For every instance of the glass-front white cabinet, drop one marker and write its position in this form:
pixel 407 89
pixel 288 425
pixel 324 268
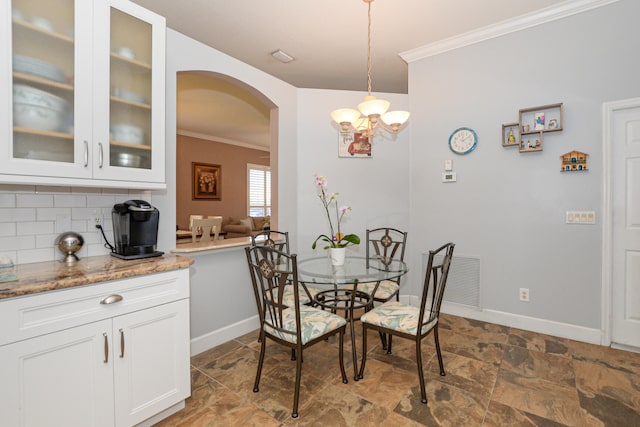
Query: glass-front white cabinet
pixel 86 93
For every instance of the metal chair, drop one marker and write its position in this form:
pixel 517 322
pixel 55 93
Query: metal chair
pixel 297 326
pixel 279 240
pixel 274 239
pixel 414 323
pixel 386 244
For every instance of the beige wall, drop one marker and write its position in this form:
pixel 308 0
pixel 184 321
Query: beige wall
pixel 233 161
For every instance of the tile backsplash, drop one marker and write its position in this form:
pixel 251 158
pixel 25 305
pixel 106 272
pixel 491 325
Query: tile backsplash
pixel 31 217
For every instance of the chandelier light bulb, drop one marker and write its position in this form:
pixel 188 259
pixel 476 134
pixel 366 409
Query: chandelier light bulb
pixel 395 119
pixel 345 117
pixel 372 107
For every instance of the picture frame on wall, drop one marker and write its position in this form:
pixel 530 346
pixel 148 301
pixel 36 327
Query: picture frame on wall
pixel 207 181
pixel 510 134
pixel 538 121
pixel 354 144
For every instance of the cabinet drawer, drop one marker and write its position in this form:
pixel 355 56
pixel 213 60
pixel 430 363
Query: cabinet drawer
pixel 33 315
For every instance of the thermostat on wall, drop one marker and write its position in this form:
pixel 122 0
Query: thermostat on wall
pixel 448 177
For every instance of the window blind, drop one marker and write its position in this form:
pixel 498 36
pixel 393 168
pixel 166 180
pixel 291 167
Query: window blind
pixel 259 191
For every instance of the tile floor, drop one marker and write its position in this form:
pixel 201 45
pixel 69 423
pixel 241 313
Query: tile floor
pixel 496 376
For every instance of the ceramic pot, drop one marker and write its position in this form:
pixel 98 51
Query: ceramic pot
pixel 337 255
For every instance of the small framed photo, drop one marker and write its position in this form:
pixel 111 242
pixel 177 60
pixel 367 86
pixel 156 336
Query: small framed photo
pixel 538 120
pixel 353 144
pixel 207 181
pixel 553 124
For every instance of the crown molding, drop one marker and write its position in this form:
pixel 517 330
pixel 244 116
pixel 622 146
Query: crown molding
pixel 221 140
pixel 522 22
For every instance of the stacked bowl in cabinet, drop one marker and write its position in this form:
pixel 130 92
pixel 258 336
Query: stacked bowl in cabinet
pixel 38 68
pixel 36 109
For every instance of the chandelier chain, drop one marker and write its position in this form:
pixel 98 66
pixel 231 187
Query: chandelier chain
pixel 369 47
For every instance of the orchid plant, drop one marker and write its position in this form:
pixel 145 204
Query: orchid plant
pixel 330 202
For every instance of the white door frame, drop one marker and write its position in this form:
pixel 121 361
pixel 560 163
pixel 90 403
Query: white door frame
pixel 608 110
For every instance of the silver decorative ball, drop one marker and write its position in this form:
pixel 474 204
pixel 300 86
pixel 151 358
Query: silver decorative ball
pixel 69 243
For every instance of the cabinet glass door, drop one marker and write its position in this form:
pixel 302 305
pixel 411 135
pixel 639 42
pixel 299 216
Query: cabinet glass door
pixel 43 57
pixel 130 118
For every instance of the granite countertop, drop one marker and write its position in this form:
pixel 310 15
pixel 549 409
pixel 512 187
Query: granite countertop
pixel 235 242
pixel 54 275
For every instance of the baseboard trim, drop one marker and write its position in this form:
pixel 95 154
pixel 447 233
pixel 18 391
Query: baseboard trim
pixel 222 335
pixel 533 324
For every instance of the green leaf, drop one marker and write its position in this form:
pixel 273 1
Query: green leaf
pixel 352 238
pixel 325 238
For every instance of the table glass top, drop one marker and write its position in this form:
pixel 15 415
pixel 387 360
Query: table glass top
pixel 320 270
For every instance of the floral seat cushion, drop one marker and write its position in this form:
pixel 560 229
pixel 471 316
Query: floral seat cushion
pixel 288 297
pixel 398 317
pixel 314 323
pixel 386 290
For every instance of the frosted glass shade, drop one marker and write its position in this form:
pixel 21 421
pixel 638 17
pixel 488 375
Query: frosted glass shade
pixel 345 115
pixel 395 117
pixel 372 106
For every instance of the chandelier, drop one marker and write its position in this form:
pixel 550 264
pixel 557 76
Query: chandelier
pixel 372 112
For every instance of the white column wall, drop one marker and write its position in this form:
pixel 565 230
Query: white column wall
pixel 221 294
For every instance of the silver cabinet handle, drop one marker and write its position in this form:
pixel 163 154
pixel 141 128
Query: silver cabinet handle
pixel 111 299
pixel 106 348
pixel 121 343
pixel 100 155
pixel 86 153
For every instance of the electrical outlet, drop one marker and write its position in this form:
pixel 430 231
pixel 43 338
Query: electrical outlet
pixel 524 294
pixel 96 218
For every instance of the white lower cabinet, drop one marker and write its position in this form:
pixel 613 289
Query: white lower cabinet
pixel 58 379
pixel 117 371
pixel 151 366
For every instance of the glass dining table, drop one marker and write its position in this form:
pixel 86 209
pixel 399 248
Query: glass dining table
pixel 338 284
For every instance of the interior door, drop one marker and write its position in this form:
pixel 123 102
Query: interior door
pixel 625 195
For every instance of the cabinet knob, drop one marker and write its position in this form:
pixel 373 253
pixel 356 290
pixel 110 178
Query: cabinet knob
pixel 111 299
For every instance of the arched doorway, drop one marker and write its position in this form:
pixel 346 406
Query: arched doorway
pixel 223 122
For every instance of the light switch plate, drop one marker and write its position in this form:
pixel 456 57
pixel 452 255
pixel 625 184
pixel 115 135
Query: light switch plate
pixel 448 165
pixel 580 217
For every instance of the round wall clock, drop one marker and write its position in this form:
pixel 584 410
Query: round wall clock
pixel 463 140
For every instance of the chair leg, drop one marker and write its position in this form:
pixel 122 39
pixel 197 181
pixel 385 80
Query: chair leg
pixel 260 361
pixel 364 350
pixel 353 346
pixel 383 340
pixel 341 357
pixel 296 393
pixel 293 354
pixel 389 345
pixel 423 392
pixel 435 337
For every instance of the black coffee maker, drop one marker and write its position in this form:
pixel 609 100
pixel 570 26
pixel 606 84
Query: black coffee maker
pixel 135 230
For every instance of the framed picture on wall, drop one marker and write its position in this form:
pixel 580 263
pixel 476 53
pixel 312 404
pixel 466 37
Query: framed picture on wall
pixel 207 181
pixel 353 144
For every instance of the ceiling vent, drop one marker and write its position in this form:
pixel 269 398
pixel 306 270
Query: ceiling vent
pixel 282 56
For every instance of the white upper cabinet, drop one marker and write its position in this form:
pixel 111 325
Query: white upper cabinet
pixel 86 100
